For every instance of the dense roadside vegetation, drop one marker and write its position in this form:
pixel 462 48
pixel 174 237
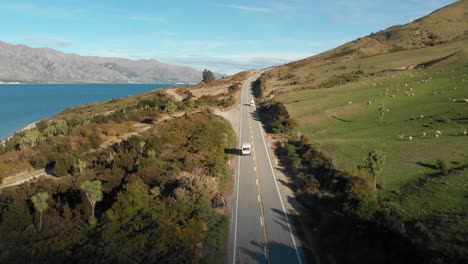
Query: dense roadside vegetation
pixel 374 136
pixel 138 180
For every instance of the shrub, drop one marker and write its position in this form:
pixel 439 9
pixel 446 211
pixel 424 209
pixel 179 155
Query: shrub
pixel 442 166
pixel 235 87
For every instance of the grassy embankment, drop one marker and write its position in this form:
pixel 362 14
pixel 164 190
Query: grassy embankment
pixel 342 123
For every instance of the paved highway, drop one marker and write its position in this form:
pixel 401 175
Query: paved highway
pixel 261 230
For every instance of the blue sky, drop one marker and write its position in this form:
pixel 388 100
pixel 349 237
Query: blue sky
pixel 225 36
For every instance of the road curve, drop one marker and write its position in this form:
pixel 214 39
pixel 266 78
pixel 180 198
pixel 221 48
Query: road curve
pixel 261 230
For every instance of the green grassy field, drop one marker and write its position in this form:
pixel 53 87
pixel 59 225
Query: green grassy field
pixel 344 121
pixel 418 73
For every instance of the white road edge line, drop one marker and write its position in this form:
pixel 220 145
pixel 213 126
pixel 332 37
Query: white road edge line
pixel 261 221
pixel 238 178
pixel 279 194
pixel 258 198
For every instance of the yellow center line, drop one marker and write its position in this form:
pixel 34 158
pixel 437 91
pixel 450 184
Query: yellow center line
pixel 267 253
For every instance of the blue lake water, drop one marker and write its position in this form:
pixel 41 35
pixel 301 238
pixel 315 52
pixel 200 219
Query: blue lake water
pixel 23 104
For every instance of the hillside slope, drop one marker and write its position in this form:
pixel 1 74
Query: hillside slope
pixel 428 39
pixel 407 102
pixel 19 63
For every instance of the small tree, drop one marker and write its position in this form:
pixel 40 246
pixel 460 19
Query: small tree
pixel 93 191
pixel 382 111
pixel 40 204
pixel 208 76
pixel 442 166
pixel 156 191
pixel 374 164
pixel 171 108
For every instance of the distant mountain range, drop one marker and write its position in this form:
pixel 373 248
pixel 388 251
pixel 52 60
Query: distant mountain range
pixel 19 63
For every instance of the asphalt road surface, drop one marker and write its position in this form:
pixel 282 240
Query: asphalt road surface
pixel 262 231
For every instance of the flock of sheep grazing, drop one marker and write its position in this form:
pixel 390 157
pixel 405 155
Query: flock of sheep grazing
pixel 392 93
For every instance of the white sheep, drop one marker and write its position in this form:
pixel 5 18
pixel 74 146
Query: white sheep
pixel 393 96
pixel 464 133
pixel 437 135
pixel 369 103
pixel 402 136
pixel 410 138
pixel 438 132
pixel 423 134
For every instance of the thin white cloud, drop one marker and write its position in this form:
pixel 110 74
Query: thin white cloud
pixel 48 41
pixel 251 8
pixel 64 43
pixel 43 11
pixel 149 18
pixel 33 40
pixel 116 53
pixel 235 63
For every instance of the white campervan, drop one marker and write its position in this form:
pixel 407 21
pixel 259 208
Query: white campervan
pixel 246 149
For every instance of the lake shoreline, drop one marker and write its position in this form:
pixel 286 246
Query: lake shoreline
pixel 21 105
pixel 28 127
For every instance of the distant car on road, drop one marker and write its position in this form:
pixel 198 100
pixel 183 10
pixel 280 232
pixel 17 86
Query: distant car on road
pixel 246 149
pixel 252 103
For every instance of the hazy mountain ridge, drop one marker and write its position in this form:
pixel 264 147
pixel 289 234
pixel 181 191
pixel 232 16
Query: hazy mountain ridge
pixel 19 63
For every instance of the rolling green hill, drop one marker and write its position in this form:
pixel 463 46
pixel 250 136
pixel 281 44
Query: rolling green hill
pixel 418 73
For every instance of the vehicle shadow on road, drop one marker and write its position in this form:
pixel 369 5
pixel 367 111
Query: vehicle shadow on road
pixel 232 151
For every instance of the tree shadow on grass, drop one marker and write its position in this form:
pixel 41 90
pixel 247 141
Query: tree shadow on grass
pixel 427 165
pixel 342 120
